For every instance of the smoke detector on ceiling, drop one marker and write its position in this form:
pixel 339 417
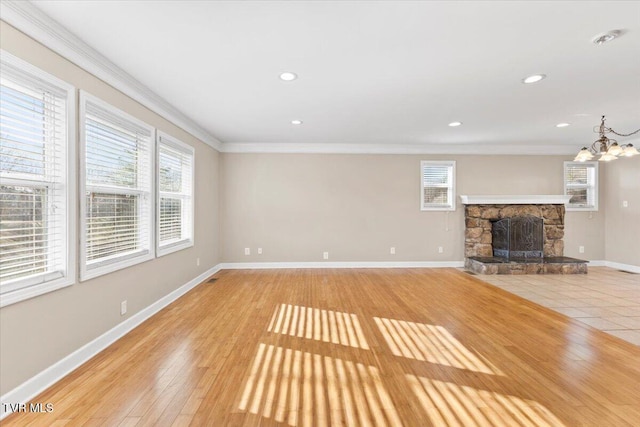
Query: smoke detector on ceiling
pixel 607 37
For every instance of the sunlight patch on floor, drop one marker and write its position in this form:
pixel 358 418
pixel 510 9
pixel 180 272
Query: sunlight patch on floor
pixel 320 325
pixel 306 389
pixel 449 404
pixel 430 343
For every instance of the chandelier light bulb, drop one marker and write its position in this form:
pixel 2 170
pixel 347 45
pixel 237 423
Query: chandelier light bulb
pixel 584 155
pixel 614 149
pixel 606 157
pixel 630 151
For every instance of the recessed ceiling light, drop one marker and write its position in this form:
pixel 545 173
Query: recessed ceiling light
pixel 455 124
pixel 606 37
pixel 535 78
pixel 296 122
pixel 563 125
pixel 288 76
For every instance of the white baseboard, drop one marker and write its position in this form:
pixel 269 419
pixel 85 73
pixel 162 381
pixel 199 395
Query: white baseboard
pixel 618 266
pixel 355 264
pixel 624 267
pixel 37 384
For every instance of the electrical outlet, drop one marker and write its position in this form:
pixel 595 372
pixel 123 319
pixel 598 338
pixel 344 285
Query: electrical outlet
pixel 625 204
pixel 259 251
pixel 325 255
pixel 581 249
pixel 247 251
pixel 392 250
pixel 440 250
pixel 197 262
pixel 123 308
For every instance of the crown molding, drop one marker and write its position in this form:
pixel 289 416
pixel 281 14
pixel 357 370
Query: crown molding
pixel 41 27
pixel 332 148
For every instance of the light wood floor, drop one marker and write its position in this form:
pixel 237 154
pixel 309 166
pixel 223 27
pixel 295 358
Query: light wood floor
pixel 414 347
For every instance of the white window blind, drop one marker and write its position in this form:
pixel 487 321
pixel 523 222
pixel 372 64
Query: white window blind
pixel 36 114
pixel 175 194
pixel 437 185
pixel 581 183
pixel 117 189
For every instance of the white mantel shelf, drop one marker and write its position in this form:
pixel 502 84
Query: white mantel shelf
pixel 516 200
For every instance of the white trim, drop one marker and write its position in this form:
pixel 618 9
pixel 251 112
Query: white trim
pixel 596 190
pixel 170 141
pixel 346 264
pixel 54 373
pixel 451 186
pixel 597 263
pixel 70 193
pixel 427 148
pixel 88 271
pixel 516 200
pixel 32 21
pixel 625 267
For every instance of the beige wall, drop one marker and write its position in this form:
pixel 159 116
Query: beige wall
pixel 296 206
pixel 622 225
pixel 38 332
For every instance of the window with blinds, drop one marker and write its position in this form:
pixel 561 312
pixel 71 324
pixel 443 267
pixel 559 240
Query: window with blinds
pixel 117 197
pixel 581 183
pixel 36 181
pixel 437 189
pixel 175 195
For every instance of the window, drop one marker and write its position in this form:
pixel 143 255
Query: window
pixel 117 195
pixel 581 183
pixel 175 195
pixel 437 188
pixel 37 120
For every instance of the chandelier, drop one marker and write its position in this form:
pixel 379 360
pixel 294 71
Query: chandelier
pixel 607 148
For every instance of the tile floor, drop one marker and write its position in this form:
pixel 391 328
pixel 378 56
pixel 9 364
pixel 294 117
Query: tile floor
pixel 605 298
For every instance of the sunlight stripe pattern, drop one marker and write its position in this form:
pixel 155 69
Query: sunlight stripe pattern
pixel 321 325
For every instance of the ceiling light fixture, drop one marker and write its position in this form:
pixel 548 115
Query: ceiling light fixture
pixel 535 78
pixel 296 122
pixel 288 76
pixel 455 124
pixel 608 148
pixel 601 39
pixel 563 125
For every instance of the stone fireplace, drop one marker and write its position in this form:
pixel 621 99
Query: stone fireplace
pixel 516 235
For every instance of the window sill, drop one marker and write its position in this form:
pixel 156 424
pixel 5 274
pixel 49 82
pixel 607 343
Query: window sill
pixel 174 247
pixel 18 295
pixel 438 209
pixel 91 272
pixel 581 208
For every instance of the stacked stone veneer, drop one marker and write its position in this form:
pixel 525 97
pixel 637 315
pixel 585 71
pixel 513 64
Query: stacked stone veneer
pixel 477 235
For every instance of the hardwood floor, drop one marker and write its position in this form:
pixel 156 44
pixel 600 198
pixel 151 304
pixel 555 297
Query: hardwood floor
pixel 414 347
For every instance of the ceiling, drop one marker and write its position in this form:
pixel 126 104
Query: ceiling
pixel 385 73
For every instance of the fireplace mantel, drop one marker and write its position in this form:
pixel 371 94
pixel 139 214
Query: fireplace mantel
pixel 516 200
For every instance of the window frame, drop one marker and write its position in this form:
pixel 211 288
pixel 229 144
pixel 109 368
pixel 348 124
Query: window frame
pixel 594 187
pixel 115 263
pixel 20 289
pixel 175 144
pixel 451 205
